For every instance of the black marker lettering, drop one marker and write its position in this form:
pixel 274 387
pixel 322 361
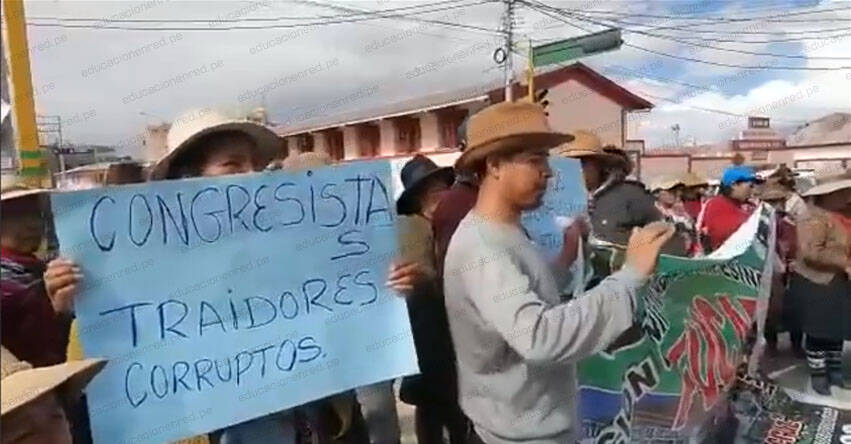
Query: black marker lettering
pixel 262 352
pixel 250 307
pixel 185 366
pixel 282 352
pixel 240 370
pixel 201 375
pixel 202 324
pixel 358 180
pixel 184 224
pixel 256 215
pixel 144 396
pixel 307 343
pixel 219 373
pixel 315 297
pixel 345 239
pixel 291 296
pixel 324 194
pixel 170 328
pixel 238 214
pixel 111 242
pixel 341 287
pixel 213 214
pixel 367 283
pixel 133 327
pixel 150 220
pixel 292 199
pixel 386 208
pixel 312 204
pixel 164 380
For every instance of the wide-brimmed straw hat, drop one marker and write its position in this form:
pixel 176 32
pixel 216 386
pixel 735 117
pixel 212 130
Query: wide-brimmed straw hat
pixel 16 190
pixel 664 183
pixel 827 184
pixel 22 384
pixel 691 179
pixel 302 161
pixel 192 125
pixel 585 144
pixel 774 190
pixel 508 126
pixel 416 173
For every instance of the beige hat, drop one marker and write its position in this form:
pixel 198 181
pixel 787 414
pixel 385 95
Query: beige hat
pixel 17 190
pixel 773 190
pixel 584 144
pixel 302 161
pixel 664 183
pixel 22 384
pixel 829 183
pixel 691 179
pixel 192 125
pixel 508 126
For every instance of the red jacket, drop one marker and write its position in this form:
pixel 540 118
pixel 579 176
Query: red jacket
pixel 31 330
pixel 693 208
pixel 453 206
pixel 722 217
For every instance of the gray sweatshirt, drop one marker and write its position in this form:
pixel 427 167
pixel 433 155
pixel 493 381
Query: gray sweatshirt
pixel 516 342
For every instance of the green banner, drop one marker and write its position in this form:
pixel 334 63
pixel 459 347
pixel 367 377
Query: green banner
pixel 665 378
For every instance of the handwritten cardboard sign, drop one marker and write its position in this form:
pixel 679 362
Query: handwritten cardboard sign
pixel 565 200
pixel 221 300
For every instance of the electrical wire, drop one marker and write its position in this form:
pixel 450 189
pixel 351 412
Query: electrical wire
pixel 780 18
pixel 545 9
pixel 738 51
pixel 365 17
pixel 713 110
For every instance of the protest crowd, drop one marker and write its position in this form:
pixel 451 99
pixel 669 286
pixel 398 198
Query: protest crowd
pixel 498 338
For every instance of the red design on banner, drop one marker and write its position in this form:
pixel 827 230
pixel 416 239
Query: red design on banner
pixel 706 360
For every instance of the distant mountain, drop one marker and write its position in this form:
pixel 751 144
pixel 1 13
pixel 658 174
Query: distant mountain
pixel 834 127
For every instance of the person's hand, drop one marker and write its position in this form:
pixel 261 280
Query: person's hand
pixel 61 280
pixel 642 252
pixel 570 248
pixel 848 271
pixel 403 276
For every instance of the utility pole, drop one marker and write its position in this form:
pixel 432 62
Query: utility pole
pixel 508 28
pixel 53 125
pixel 23 103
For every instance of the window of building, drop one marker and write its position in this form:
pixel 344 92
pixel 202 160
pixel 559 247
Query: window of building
pixel 408 135
pixel 449 121
pixel 334 142
pixel 305 143
pixel 369 140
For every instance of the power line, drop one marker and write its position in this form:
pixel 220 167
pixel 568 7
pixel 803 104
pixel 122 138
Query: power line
pixel 713 110
pixel 739 51
pixel 781 18
pixel 544 9
pixel 365 17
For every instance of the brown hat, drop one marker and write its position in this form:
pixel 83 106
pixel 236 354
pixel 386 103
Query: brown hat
pixel 508 126
pixel 691 179
pixel 774 190
pixel 829 183
pixel 22 384
pixel 663 183
pixel 585 144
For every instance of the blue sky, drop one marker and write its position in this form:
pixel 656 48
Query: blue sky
pixel 101 81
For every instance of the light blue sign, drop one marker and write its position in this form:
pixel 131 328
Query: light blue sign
pixel 220 300
pixel 565 200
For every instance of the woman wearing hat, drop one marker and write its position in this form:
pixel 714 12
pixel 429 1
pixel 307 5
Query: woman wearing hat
pixel 30 327
pixel 694 191
pixel 667 192
pixel 33 398
pixel 617 205
pixel 725 213
pixel 434 390
pixel 821 278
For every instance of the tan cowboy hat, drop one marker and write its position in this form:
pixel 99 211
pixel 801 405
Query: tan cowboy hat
pixel 508 126
pixel 192 125
pixel 18 190
pixel 829 183
pixel 22 384
pixel 664 183
pixel 774 190
pixel 691 179
pixel 303 161
pixel 584 144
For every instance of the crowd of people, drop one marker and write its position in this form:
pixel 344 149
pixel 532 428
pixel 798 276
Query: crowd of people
pixel 496 341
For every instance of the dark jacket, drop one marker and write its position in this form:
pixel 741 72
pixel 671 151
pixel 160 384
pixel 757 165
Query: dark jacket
pixel 453 207
pixel 625 205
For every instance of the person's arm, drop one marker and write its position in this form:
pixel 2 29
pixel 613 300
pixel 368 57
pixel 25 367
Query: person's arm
pixel 813 233
pixel 537 330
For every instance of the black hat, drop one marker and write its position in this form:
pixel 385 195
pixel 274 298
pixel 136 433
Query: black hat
pixel 416 173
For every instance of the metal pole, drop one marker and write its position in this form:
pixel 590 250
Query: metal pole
pixel 509 44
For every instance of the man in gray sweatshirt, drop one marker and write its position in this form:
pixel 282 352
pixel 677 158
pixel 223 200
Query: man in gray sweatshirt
pixel 516 342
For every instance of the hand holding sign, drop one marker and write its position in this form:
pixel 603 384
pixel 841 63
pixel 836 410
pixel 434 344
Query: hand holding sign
pixel 61 280
pixel 642 252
